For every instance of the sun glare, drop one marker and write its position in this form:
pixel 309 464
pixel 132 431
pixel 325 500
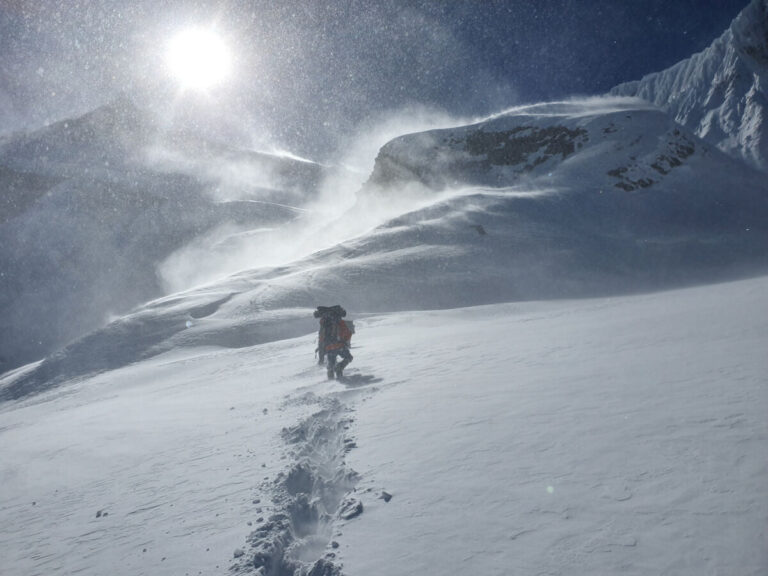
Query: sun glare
pixel 198 58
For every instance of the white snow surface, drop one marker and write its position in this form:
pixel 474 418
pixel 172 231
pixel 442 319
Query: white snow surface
pixel 721 93
pixel 599 433
pixel 598 436
pixel 560 200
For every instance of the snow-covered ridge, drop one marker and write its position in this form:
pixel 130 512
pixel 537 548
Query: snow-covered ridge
pixel 580 145
pixel 90 207
pixel 721 94
pixel 119 136
pixel 518 207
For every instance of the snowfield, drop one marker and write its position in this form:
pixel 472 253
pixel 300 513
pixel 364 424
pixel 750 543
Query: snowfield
pixel 599 436
pixel 560 359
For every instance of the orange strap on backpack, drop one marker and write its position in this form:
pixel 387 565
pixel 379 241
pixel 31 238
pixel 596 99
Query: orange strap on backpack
pixel 345 334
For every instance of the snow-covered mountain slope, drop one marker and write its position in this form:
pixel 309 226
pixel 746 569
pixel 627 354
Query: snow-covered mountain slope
pixel 581 146
pixel 91 206
pixel 613 435
pixel 721 94
pixel 607 201
pixel 603 193
pixel 121 135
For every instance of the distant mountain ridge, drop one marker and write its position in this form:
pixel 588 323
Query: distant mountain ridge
pixel 557 200
pixel 720 94
pixel 121 135
pixel 602 144
pixel 562 200
pixel 90 206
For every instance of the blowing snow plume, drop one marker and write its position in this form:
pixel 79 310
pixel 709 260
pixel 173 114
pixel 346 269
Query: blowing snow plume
pixel 319 214
pixel 96 203
pixel 555 200
pixel 565 202
pixel 565 199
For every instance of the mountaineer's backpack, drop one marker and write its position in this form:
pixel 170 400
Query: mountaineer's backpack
pixel 334 332
pixel 326 311
pixel 345 330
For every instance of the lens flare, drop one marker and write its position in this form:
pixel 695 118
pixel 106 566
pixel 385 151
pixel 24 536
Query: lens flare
pixel 198 58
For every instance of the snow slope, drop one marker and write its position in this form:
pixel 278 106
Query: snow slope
pixel 90 207
pixel 615 436
pixel 573 423
pixel 721 94
pixel 590 198
pixel 600 436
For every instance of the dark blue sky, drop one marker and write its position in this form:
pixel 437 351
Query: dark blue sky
pixel 309 72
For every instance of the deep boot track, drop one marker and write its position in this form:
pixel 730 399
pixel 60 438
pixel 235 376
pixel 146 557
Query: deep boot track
pixel 296 540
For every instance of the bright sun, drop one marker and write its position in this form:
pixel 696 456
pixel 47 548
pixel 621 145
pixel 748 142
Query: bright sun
pixel 198 58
